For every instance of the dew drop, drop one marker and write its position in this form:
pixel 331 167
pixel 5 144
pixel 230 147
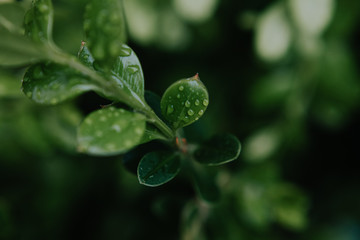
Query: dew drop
pixel 170 109
pixel 197 102
pixel 187 103
pixel 125 52
pixel 190 112
pixel 196 118
pixel 186 119
pixel 178 96
pixel 116 127
pixel 181 88
pixel 133 69
pixel 205 102
pixel 138 131
pixel 103 118
pixel 99 133
pixel 201 112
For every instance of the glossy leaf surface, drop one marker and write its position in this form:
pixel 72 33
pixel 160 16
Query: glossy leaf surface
pixel 127 69
pixel 49 83
pixel 85 56
pixel 110 131
pixel 218 150
pixel 157 168
pixel 105 29
pixel 184 102
pixel 38 21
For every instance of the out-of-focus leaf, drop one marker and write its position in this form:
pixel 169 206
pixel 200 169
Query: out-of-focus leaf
pixel 105 29
pixel 206 185
pixel 127 68
pixel 11 17
pixel 110 131
pixel 157 168
pixel 38 21
pixel 218 150
pixel 50 83
pixel 9 84
pixel 16 49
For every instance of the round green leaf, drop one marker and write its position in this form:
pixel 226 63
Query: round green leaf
pixel 218 150
pixel 51 83
pixel 110 131
pixel 157 168
pixel 184 102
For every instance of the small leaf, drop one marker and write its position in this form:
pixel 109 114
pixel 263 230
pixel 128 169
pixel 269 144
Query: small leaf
pixel 218 150
pixel 104 27
pixel 38 21
pixel 50 83
pixel 127 68
pixel 157 168
pixel 85 56
pixel 110 131
pixel 184 102
pixel 16 49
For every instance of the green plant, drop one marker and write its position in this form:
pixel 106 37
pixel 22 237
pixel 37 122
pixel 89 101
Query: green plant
pixel 107 66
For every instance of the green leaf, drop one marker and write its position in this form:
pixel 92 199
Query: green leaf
pixel 11 17
pixel 110 131
pixel 38 21
pixel 104 27
pixel 184 102
pixel 127 69
pixel 16 49
pixel 205 184
pixel 218 150
pixel 85 56
pixel 157 168
pixel 9 84
pixel 50 83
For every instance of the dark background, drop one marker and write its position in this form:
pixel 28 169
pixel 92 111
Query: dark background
pixel 297 115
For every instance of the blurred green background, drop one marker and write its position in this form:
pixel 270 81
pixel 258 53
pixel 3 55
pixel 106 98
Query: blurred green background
pixel 282 76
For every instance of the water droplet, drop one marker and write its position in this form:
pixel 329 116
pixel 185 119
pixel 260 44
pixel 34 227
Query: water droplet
pixel 88 121
pixel 125 52
pixel 196 118
pixel 187 103
pixel 190 112
pixel 178 96
pixel 43 8
pixel 103 118
pixel 116 127
pixel 186 119
pixel 197 102
pixel 99 133
pixel 170 109
pixel 138 131
pixel 53 101
pixel 128 143
pixel 181 88
pixel 205 102
pixel 110 146
pixel 133 69
pixel 201 112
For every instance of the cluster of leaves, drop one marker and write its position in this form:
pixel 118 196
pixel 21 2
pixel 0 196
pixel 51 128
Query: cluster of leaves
pixel 107 66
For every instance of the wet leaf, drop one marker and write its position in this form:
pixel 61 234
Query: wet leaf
pixel 218 150
pixel 104 27
pixel 110 131
pixel 50 83
pixel 128 71
pixel 85 56
pixel 157 168
pixel 184 102
pixel 38 21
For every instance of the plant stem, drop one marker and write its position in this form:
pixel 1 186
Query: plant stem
pixel 109 88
